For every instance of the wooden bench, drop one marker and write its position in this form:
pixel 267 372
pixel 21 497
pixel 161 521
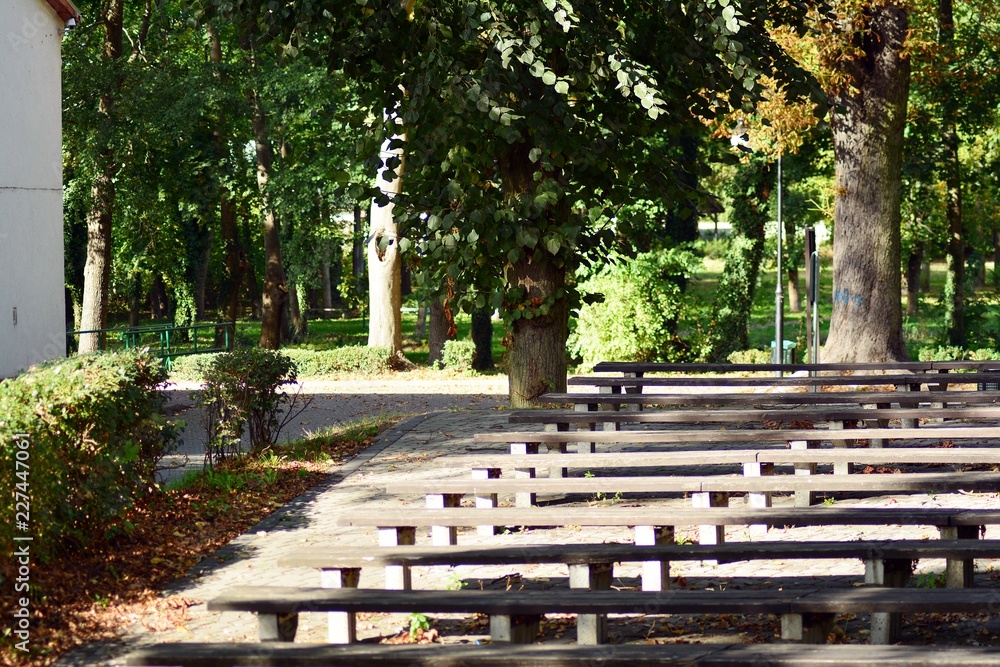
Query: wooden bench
pixel 640 368
pixel 594 401
pixel 656 525
pixel 541 655
pixel 591 566
pixel 905 382
pixel 557 419
pixel 807 615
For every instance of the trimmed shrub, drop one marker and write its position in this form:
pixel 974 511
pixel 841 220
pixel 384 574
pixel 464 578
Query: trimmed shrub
pixel 458 355
pixel 955 353
pixel 350 359
pixel 95 436
pixel 241 392
pixel 637 319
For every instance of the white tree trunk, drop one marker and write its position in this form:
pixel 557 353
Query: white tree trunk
pixel 385 325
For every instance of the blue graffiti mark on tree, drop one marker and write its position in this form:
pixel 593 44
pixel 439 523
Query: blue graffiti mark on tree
pixel 844 296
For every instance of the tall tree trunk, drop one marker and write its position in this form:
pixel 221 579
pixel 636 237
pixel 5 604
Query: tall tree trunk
pixel 324 279
pixel 536 348
pixel 204 261
pixel 97 270
pixel 953 182
pixel 358 251
pixel 440 329
pixel 867 121
pixel 794 293
pixel 729 326
pixel 299 323
pixel 274 296
pixel 158 298
pixel 482 336
pixel 420 328
pixel 996 256
pixel 252 281
pixel 235 254
pixel 913 265
pixel 385 323
pixel 135 300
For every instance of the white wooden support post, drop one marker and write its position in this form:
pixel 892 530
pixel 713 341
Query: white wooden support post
pixel 804 498
pixel 397 577
pixel 707 533
pixel 342 625
pixel 591 629
pixel 845 467
pixel 522 448
pixel 887 626
pixel 758 500
pixel 506 629
pixel 586 447
pixel 959 573
pixel 655 573
pixel 806 628
pixel 633 390
pixel 906 388
pixel 444 536
pixel 616 407
pixel 486 500
pixel 277 627
pixel 556 447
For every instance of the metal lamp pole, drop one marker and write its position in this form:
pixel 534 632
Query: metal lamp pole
pixel 779 293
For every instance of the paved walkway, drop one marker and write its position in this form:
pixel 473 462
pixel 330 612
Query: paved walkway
pixel 404 453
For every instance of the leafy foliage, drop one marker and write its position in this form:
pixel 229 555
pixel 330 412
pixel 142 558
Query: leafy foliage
pixel 641 300
pixel 95 433
pixel 348 359
pixel 458 354
pixel 241 393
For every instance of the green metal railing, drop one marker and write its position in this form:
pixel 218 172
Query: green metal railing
pixel 164 340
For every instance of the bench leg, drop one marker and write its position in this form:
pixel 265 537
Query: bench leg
pixel 277 627
pixel 486 501
pixel 804 498
pixel 556 448
pixel 514 629
pixel 342 625
pixel 397 577
pixel 655 573
pixel 806 628
pixel 959 573
pixel 847 467
pixel 758 500
pixel 905 388
pixel 591 629
pixel 444 536
pixel 895 572
pixel 523 448
pixel 709 534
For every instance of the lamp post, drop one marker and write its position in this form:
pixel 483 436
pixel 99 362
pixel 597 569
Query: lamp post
pixel 779 293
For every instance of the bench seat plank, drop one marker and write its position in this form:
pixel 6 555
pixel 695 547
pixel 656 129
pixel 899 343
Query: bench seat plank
pixel 740 435
pixel 749 415
pixel 631 655
pixel 938 455
pixel 655 516
pixel 948 481
pixel 673 367
pixel 569 554
pixel 901 380
pixel 868 599
pixel 783 398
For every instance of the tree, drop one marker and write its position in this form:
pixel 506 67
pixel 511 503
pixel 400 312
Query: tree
pixel 868 114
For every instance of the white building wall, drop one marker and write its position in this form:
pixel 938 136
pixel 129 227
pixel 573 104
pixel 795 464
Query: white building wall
pixel 31 231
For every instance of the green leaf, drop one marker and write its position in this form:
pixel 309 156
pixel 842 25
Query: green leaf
pixel 549 77
pixel 562 87
pixel 553 244
pixel 535 154
pixel 473 236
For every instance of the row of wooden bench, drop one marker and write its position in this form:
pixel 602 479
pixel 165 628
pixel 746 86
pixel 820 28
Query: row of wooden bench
pixel 806 614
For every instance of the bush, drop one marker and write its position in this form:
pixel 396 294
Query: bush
pixel 955 353
pixel 240 393
pixel 351 359
pixel 95 436
pixel 642 302
pixel 458 355
pixel 750 357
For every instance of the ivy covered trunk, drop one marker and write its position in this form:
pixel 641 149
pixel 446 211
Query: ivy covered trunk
pixel 751 189
pixel 867 122
pixel 385 323
pixel 536 351
pixel 482 336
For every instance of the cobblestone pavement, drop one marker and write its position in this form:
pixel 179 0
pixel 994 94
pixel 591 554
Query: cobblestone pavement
pixel 405 453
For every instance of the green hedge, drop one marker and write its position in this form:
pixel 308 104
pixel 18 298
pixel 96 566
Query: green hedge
pixel 95 435
pixel 350 359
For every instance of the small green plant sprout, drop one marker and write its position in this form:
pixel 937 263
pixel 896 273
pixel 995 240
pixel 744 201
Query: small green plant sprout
pixel 828 502
pixel 455 582
pixel 931 580
pixel 419 623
